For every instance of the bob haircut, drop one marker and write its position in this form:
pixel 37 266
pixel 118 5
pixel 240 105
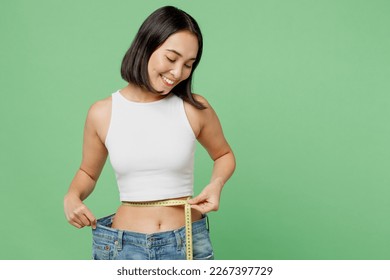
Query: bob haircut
pixel 161 24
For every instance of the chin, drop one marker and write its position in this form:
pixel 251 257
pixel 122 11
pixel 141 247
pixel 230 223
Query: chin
pixel 165 91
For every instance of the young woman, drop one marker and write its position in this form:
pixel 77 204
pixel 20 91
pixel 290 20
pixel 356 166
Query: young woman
pixel 149 130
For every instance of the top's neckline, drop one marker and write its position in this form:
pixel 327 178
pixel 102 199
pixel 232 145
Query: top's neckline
pixel 144 103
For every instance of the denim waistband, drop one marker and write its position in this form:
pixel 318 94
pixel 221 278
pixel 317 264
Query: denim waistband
pixel 104 230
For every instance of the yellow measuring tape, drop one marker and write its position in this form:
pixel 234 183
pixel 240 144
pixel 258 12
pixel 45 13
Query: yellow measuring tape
pixel 187 217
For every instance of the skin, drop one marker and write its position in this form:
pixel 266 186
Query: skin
pixel 172 60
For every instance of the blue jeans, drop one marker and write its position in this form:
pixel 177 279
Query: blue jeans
pixel 115 244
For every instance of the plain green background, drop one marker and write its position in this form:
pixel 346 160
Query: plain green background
pixel 302 90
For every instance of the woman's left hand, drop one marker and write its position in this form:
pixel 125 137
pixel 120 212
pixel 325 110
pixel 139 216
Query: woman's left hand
pixel 208 199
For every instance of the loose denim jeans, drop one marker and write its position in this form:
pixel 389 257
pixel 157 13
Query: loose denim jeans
pixel 114 244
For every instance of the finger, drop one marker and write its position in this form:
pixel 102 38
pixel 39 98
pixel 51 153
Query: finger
pixel 76 224
pixel 78 219
pixel 93 224
pixel 198 208
pixel 196 200
pixel 202 207
pixel 91 218
pixel 84 220
pixel 83 216
pixel 206 206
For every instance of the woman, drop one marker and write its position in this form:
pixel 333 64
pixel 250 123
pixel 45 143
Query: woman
pixel 149 130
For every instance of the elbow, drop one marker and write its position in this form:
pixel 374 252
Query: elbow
pixel 228 157
pixel 90 175
pixel 233 160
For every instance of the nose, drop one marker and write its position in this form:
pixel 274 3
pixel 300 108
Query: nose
pixel 177 72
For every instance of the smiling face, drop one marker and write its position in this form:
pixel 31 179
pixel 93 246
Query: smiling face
pixel 172 62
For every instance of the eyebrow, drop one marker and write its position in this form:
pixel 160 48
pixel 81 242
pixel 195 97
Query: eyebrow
pixel 179 54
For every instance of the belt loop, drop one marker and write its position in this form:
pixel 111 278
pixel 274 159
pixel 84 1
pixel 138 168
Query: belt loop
pixel 179 240
pixel 119 242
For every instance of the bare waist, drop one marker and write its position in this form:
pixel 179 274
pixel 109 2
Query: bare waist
pixel 152 219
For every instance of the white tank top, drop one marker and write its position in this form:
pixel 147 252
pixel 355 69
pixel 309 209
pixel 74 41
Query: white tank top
pixel 151 148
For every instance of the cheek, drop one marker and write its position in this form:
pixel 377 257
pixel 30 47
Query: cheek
pixel 186 74
pixel 155 64
pixel 160 67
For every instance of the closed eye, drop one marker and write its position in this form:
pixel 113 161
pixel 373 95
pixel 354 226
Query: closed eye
pixel 170 60
pixel 174 60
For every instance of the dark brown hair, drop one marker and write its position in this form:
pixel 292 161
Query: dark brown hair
pixel 161 24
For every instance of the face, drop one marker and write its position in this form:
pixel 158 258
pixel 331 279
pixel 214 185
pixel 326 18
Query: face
pixel 172 62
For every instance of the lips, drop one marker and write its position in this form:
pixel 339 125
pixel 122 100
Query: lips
pixel 167 81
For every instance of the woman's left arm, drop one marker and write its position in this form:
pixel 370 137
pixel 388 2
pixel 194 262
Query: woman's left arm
pixel 213 140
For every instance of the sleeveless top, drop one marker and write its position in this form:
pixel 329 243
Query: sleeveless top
pixel 151 148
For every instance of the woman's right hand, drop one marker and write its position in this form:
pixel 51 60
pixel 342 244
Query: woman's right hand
pixel 77 213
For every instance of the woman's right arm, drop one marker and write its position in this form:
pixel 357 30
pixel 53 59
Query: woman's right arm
pixel 93 159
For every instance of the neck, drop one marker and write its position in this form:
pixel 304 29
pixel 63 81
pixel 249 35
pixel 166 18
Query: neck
pixel 139 94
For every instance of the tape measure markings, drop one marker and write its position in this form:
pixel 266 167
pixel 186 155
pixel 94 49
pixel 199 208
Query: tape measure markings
pixel 187 217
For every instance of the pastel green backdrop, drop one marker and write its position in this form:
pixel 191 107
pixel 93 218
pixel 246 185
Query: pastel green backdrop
pixel 301 88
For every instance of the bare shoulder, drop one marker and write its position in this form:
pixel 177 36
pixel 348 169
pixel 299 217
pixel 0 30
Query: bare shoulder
pixel 199 118
pixel 201 99
pixel 197 111
pixel 205 113
pixel 101 106
pixel 100 111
